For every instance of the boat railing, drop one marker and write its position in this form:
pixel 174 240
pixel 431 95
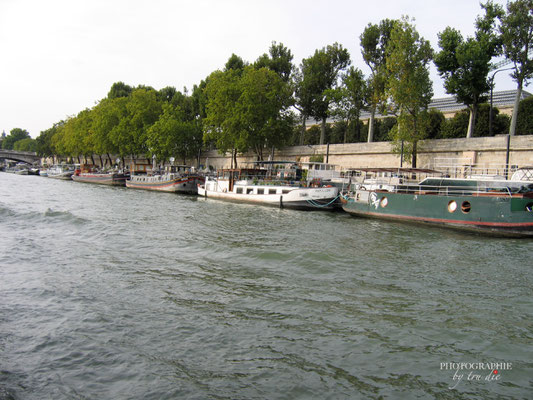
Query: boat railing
pixel 455 190
pixel 465 168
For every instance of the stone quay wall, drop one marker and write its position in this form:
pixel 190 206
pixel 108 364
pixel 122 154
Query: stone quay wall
pixel 483 153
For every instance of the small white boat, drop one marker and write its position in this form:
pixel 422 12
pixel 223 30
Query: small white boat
pixel 62 171
pixel 256 186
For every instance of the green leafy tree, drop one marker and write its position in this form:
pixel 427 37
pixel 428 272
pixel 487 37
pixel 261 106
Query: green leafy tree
pixel 44 140
pixel 303 96
pixel 14 136
pixel 142 111
pixel 517 36
pixel 464 64
pixel 27 144
pixel 173 136
pixel 235 63
pixel 524 124
pixel 409 84
pixel 436 121
pixel 455 127
pixel 278 59
pixel 247 112
pixel 374 41
pixel 119 89
pixel 320 74
pixel 349 99
pixel 106 118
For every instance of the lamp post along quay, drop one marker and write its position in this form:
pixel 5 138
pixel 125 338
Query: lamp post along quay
pixel 491 90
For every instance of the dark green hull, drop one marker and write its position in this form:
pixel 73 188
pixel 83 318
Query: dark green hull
pixel 500 214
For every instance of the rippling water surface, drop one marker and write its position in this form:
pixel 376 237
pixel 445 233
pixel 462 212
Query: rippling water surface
pixel 110 293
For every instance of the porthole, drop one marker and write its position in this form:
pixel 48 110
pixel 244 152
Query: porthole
pixel 466 207
pixel 452 206
pixel 529 207
pixel 384 201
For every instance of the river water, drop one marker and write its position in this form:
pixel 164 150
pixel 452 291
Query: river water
pixel 111 293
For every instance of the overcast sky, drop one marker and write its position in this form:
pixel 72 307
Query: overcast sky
pixel 58 57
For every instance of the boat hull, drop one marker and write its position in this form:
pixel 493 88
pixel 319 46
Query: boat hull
pixel 295 198
pixel 112 179
pixel 67 176
pixel 186 185
pixel 498 214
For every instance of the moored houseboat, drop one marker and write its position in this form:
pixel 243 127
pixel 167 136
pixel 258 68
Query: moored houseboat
pixel 90 174
pixel 174 179
pixel 282 189
pixel 489 206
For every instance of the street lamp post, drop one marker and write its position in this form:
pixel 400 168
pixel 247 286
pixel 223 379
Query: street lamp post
pixel 491 89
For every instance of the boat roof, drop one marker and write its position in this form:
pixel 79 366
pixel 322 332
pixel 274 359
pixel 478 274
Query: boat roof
pixel 396 169
pixel 274 162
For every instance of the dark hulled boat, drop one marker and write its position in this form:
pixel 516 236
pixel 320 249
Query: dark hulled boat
pixel 88 174
pixel 496 207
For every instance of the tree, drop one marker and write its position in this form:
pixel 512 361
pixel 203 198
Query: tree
pixel 374 41
pixel 436 121
pixel 44 140
pixel 172 135
pixel 27 144
pixel 143 110
pixel 14 136
pixel 119 89
pixel 517 36
pixel 248 111
pixel 456 126
pixel 278 60
pixel 464 64
pixel 106 118
pixel 235 63
pixel 524 124
pixel 409 84
pixel 349 99
pixel 303 96
pixel 320 75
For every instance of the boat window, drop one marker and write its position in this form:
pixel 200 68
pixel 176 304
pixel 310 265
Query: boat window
pixel 272 191
pixel 466 207
pixel 384 201
pixel 261 191
pixel 452 206
pixel 239 190
pixel 285 191
pixel 249 190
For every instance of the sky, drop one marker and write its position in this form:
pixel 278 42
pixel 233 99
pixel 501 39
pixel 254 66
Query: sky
pixel 58 57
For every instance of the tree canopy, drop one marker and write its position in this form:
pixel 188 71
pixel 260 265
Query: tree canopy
pixel 464 64
pixel 409 84
pixel 14 136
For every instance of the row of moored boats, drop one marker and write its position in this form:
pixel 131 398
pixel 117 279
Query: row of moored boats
pixel 490 204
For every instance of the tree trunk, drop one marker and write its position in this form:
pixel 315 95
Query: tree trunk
pixel 472 121
pixel 303 130
pixel 413 159
pixel 512 129
pixel 110 161
pixel 371 125
pixel 322 130
pixel 346 132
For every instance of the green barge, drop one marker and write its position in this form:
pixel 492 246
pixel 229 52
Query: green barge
pixel 502 208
